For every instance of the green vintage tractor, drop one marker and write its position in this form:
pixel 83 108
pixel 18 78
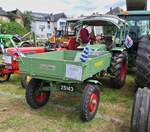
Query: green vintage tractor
pixel 67 71
pixel 138 19
pixel 6 41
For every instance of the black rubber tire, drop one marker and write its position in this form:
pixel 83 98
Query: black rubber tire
pixel 26 44
pixel 88 90
pixel 143 63
pixel 31 92
pixel 117 63
pixel 141 111
pixel 148 127
pixel 24 82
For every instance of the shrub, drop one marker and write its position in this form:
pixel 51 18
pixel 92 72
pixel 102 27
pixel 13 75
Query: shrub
pixel 12 28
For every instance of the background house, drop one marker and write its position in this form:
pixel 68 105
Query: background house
pixel 60 21
pixel 14 15
pixel 17 16
pixel 44 25
pixel 41 24
pixel 4 16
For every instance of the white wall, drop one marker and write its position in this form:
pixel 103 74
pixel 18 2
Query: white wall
pixel 4 18
pixel 98 30
pixel 37 25
pixel 59 26
pixel 41 29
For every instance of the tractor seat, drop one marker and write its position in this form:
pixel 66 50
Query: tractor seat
pixel 84 35
pixel 108 41
pixel 70 44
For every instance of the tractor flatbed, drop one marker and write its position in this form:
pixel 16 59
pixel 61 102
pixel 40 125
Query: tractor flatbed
pixel 64 66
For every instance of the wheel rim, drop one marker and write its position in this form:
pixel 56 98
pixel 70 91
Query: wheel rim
pixel 93 102
pixel 123 71
pixel 26 45
pixel 3 77
pixel 40 97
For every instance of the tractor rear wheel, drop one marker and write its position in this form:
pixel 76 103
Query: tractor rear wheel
pixel 143 63
pixel 34 96
pixel 90 102
pixel 25 79
pixel 26 44
pixel 140 119
pixel 118 69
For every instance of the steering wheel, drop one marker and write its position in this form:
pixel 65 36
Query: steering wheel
pixel 17 38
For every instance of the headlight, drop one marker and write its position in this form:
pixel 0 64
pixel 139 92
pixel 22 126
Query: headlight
pixel 7 59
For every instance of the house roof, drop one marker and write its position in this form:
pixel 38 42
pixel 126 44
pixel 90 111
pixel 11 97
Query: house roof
pixel 17 13
pixel 2 12
pixel 47 17
pixel 36 16
pixel 39 14
pixel 58 16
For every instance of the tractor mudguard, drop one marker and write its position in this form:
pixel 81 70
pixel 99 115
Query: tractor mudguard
pixel 118 49
pixel 95 82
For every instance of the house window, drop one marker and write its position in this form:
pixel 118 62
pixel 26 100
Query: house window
pixel 49 34
pixel 42 27
pixel 62 25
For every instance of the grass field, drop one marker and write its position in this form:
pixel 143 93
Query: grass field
pixel 61 114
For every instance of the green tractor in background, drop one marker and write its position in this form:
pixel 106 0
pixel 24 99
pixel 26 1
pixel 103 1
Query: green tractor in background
pixel 6 41
pixel 138 19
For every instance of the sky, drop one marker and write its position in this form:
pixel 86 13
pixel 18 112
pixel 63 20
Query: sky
pixel 70 7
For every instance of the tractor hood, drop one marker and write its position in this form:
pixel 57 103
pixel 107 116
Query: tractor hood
pixel 33 50
pixel 102 20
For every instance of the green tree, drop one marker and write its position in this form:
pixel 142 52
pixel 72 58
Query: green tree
pixel 27 19
pixel 12 28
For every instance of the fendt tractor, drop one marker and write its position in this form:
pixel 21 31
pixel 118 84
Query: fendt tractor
pixel 78 71
pixel 138 18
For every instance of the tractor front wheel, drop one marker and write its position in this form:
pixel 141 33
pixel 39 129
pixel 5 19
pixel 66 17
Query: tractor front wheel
pixel 118 69
pixel 90 102
pixel 35 97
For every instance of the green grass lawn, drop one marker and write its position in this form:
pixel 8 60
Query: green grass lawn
pixel 62 112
